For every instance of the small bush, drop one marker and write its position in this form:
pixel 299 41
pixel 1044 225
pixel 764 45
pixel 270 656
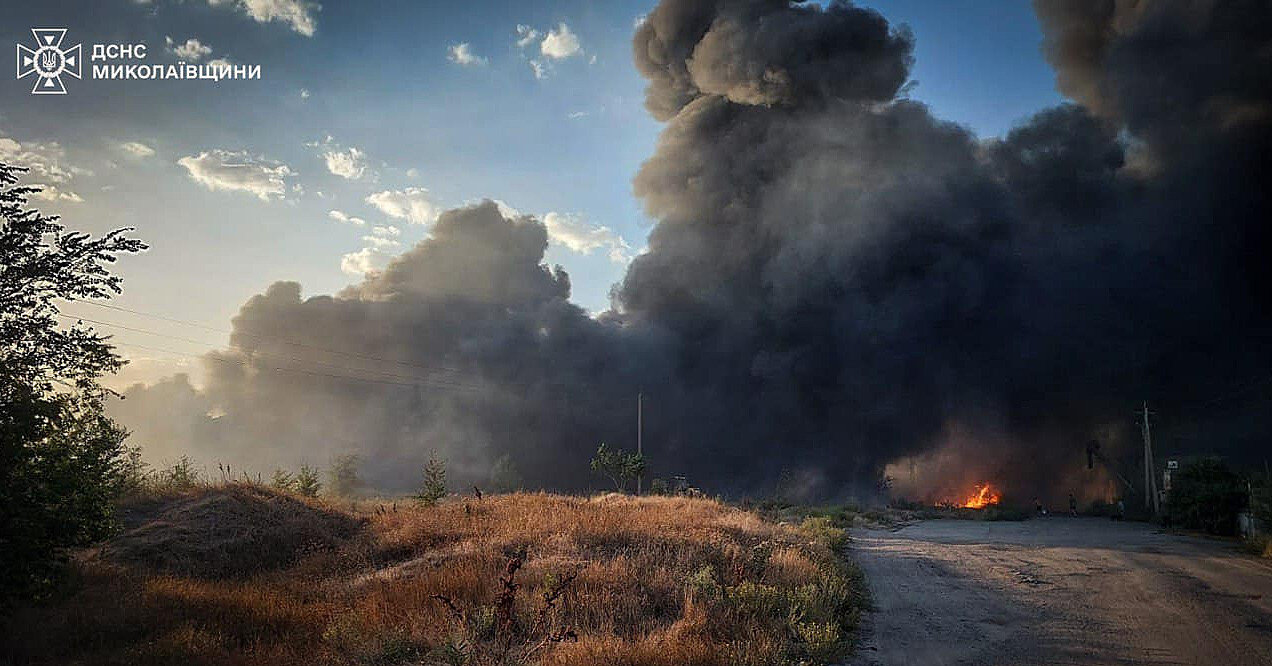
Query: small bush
pixel 703 585
pixel 1206 495
pixel 619 465
pixel 307 482
pixel 824 529
pixel 434 486
pixel 283 480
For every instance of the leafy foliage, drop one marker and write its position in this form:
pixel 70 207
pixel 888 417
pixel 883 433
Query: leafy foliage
pixel 434 486
pixel 61 460
pixel 619 465
pixel 283 480
pixel 1206 495
pixel 307 482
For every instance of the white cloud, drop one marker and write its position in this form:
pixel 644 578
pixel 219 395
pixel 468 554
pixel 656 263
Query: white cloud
pixel 45 161
pixel 52 193
pixel 462 54
pixel 560 43
pixel 299 14
pixel 380 245
pixel 575 115
pixel 238 171
pixel 540 69
pixel 220 62
pixel 412 173
pixel 383 238
pixel 526 36
pixel 137 149
pixel 571 231
pixel 349 163
pixel 505 209
pixel 192 50
pixel 412 204
pixel 304 93
pixel 364 261
pixel 341 216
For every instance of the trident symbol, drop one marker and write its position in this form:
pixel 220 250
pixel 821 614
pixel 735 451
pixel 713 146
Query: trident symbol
pixel 49 61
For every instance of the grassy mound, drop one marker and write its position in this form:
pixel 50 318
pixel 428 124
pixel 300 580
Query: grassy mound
pixel 511 579
pixel 226 531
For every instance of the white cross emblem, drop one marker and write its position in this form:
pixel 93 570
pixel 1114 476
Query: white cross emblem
pixel 49 61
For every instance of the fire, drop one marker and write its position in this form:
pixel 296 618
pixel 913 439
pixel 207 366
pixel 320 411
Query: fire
pixel 984 496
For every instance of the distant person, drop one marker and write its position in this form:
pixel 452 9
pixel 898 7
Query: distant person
pixel 1039 508
pixel 1120 512
pixel 1073 506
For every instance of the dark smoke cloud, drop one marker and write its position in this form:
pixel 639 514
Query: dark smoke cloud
pixel 837 280
pixel 762 52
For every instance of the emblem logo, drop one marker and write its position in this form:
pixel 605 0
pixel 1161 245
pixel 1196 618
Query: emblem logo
pixel 49 61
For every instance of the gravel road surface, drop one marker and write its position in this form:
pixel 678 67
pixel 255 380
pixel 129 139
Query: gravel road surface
pixel 1061 590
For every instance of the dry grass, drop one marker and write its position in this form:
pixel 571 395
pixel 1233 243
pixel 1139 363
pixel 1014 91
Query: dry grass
pixel 606 580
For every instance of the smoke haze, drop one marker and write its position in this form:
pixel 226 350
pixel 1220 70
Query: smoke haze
pixel 837 280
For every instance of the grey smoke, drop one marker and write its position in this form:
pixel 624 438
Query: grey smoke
pixel 837 279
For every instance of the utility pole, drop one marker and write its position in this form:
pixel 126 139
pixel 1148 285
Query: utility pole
pixel 640 433
pixel 1151 499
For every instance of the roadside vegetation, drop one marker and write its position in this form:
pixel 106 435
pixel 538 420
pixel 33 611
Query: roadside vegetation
pixel 240 572
pixel 60 456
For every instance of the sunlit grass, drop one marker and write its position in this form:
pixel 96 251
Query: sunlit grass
pixel 649 580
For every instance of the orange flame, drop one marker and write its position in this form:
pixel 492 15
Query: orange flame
pixel 983 497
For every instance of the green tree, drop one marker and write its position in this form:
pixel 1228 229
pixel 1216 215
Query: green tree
pixel 434 486
pixel 619 465
pixel 307 482
pixel 283 480
pixel 62 461
pixel 1206 495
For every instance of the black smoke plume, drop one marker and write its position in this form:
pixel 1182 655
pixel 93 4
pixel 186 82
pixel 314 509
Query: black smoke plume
pixel 837 279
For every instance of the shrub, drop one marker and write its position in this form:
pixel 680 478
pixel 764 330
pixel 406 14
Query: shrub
pixel 283 480
pixel 180 476
pixel 307 482
pixel 58 479
pixel 1206 495
pixel 823 528
pixel 434 486
pixel 619 465
pixel 703 585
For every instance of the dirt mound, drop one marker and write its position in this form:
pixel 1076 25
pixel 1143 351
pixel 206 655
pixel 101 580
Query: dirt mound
pixel 227 531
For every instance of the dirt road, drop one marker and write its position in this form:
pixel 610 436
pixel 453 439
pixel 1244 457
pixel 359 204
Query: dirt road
pixel 1061 591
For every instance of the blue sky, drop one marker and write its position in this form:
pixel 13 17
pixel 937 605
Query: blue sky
pixel 370 112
